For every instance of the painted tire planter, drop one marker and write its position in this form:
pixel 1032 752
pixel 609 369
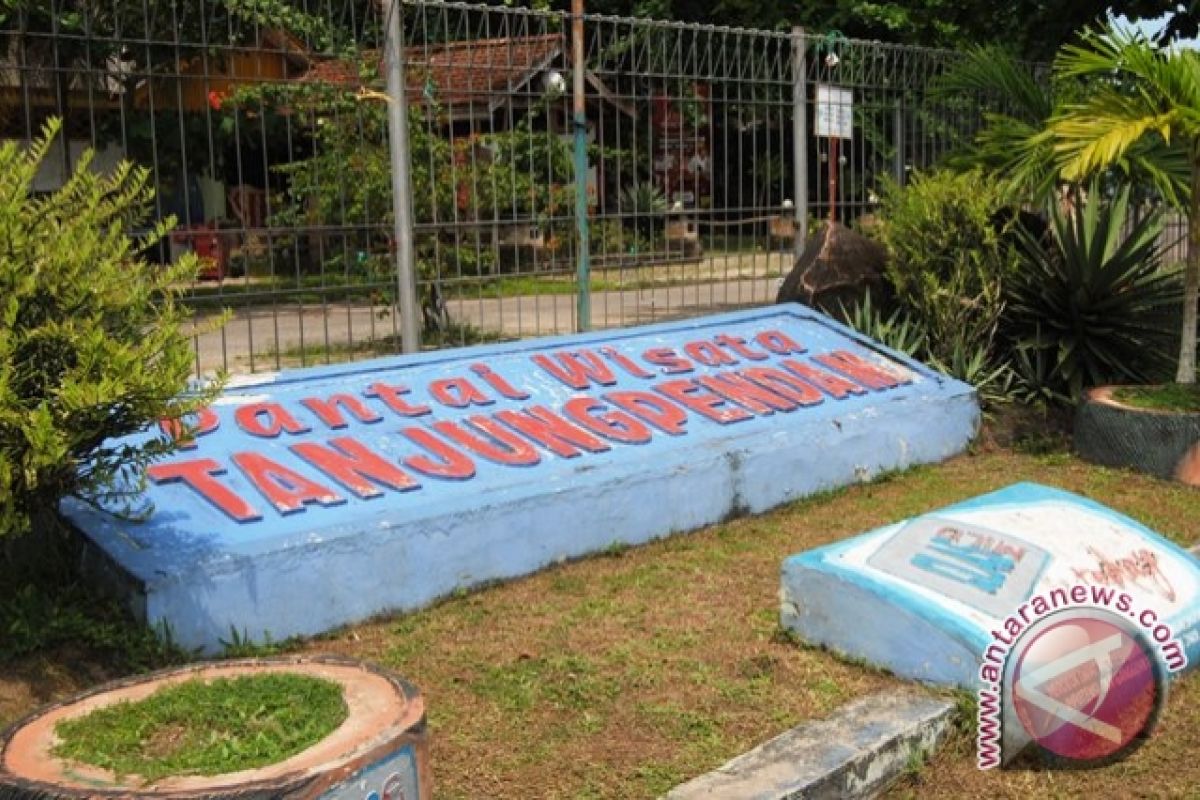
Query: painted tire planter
pixel 380 752
pixel 1162 443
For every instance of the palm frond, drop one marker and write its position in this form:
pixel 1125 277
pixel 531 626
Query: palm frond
pixel 994 72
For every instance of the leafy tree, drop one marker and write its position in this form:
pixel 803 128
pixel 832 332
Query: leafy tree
pixel 1143 107
pixel 463 185
pixel 1033 28
pixel 91 340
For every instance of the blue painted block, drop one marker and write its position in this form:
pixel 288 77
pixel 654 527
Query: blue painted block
pixel 923 597
pixel 318 497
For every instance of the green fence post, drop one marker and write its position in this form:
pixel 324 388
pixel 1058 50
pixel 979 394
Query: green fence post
pixel 583 277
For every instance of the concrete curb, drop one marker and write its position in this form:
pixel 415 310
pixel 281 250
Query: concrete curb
pixel 856 752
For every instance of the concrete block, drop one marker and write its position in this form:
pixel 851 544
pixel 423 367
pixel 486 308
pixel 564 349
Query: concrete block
pixel 319 497
pixel 854 753
pixel 923 597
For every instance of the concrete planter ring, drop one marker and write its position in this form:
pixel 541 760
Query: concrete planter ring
pixel 380 750
pixel 1162 443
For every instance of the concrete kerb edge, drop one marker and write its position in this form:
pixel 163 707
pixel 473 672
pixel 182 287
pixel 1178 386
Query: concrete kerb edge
pixel 856 752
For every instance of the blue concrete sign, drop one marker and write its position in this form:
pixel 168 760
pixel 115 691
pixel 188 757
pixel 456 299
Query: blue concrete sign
pixel 317 497
pixel 928 598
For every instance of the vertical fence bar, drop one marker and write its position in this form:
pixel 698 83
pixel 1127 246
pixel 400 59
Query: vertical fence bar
pixel 583 267
pixel 898 132
pixel 402 209
pixel 799 140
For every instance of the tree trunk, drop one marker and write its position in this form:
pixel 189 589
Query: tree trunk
pixel 1191 282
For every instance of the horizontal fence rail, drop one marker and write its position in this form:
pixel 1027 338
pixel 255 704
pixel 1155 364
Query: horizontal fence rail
pixel 698 159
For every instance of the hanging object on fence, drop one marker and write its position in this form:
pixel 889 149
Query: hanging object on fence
pixel 834 118
pixel 835 112
pixel 834 121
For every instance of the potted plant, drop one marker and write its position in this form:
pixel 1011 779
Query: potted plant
pixel 288 727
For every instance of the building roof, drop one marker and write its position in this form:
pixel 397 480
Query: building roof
pixel 471 72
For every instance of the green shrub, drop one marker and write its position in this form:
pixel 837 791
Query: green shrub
pixel 895 330
pixel 950 254
pixel 91 346
pixel 971 363
pixel 1095 306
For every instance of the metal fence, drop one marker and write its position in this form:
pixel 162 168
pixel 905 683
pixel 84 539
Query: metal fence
pixel 567 171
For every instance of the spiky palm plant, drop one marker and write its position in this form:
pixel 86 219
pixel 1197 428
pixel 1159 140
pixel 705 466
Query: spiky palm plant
pixel 1142 111
pixel 1093 304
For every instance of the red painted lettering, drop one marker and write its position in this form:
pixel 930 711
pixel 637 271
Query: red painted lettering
pixel 354 466
pixel 708 354
pixel 199 475
pixel 503 446
pixel 778 381
pixel 498 383
pixel 330 411
pixel 267 420
pixel 779 343
pixel 668 360
pixel 184 432
pixel 545 428
pixel 578 369
pixel 615 425
pixel 284 488
pixel 391 397
pixel 702 401
pixel 458 393
pixel 738 345
pixel 625 363
pixel 746 393
pixel 833 385
pixel 872 376
pixel 667 417
pixel 451 464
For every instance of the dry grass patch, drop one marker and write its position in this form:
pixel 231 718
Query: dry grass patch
pixel 624 674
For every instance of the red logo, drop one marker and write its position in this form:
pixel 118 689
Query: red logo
pixel 1087 686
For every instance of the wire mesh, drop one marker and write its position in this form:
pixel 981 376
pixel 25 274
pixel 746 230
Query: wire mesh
pixel 264 126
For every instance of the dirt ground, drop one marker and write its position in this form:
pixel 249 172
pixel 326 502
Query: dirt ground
pixel 624 674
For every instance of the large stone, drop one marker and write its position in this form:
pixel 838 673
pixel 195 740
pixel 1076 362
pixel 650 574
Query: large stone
pixel 923 597
pixel 319 497
pixel 838 267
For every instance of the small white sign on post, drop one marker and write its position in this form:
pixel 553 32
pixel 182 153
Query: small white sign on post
pixel 835 112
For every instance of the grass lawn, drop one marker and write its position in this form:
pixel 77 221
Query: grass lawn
pixel 203 727
pixel 621 675
pixel 285 289
pixel 317 353
pixel 1165 767
pixel 1168 397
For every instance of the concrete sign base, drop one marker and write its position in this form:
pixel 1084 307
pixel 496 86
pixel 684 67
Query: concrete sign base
pixel 319 497
pixel 927 597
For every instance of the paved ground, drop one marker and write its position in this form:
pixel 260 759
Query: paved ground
pixel 277 336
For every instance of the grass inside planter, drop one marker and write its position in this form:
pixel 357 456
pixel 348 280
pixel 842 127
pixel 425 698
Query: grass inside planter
pixel 1167 397
pixel 203 727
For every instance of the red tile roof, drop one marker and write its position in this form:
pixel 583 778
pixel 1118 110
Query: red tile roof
pixel 456 72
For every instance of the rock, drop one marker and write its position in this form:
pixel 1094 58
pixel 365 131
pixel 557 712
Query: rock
pixel 838 267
